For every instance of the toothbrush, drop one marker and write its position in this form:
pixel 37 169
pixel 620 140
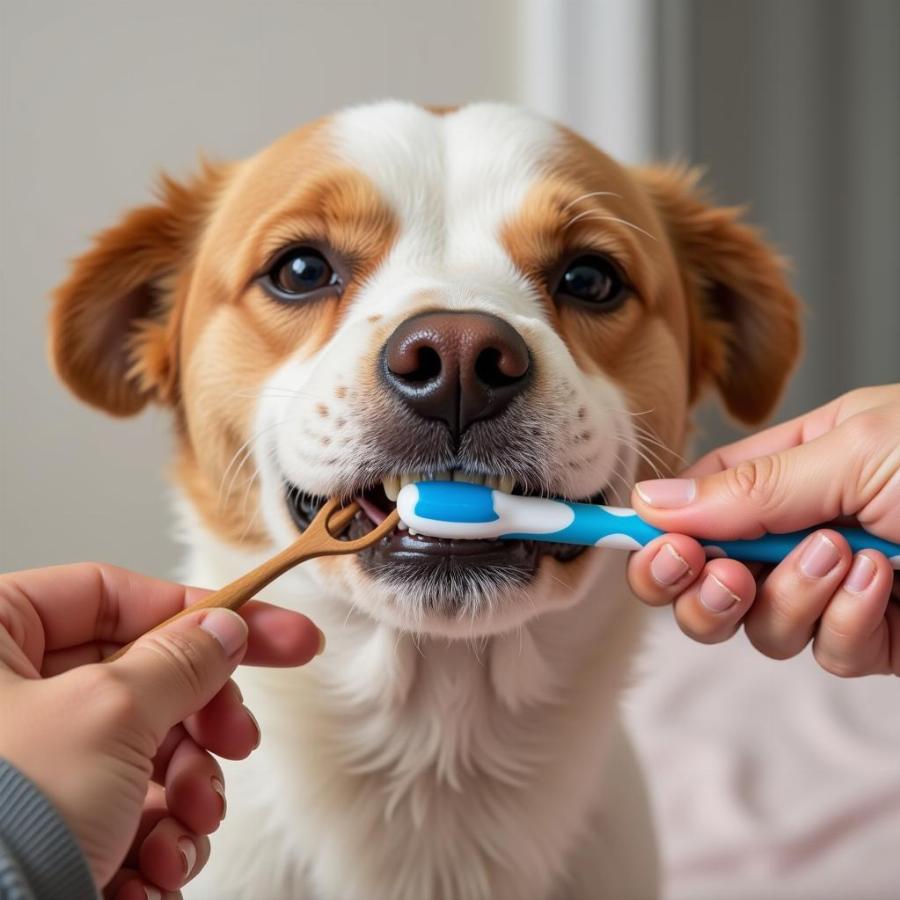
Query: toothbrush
pixel 457 509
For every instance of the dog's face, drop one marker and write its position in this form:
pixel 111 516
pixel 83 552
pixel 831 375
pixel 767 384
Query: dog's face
pixel 393 293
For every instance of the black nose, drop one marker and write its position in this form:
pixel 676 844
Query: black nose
pixel 456 366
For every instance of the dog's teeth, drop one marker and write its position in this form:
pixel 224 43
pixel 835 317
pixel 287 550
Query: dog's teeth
pixel 442 476
pixel 492 481
pixel 413 532
pixel 407 478
pixel 507 483
pixel 391 485
pixel 468 477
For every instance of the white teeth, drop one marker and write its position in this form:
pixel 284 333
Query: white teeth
pixel 413 532
pixel 391 485
pixel 394 483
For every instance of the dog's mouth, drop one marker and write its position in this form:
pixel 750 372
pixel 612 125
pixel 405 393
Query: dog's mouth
pixel 404 552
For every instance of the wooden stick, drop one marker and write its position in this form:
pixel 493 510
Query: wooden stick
pixel 319 539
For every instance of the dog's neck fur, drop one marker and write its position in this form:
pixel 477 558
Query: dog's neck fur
pixel 418 739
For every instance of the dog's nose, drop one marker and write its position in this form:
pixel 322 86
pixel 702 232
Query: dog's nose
pixel 456 366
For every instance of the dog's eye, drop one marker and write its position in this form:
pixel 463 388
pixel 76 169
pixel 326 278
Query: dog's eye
pixel 593 280
pixel 300 271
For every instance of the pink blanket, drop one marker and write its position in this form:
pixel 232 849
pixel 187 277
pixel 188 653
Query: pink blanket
pixel 771 780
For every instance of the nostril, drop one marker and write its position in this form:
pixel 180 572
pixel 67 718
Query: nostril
pixel 493 368
pixel 429 366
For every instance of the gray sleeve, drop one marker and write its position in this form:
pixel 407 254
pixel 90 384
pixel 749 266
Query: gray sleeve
pixel 39 857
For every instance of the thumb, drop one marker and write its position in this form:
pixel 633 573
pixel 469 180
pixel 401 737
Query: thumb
pixel 178 669
pixel 796 488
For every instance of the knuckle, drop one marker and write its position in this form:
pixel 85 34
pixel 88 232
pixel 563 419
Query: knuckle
pixel 185 658
pixel 755 480
pixel 868 429
pixel 702 629
pixel 843 667
pixel 775 629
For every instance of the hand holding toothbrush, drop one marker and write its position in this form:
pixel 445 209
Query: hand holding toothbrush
pixel 841 460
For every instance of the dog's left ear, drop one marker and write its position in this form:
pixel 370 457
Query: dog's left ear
pixel 114 322
pixel 744 318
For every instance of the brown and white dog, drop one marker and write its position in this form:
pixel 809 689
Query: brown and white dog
pixel 393 293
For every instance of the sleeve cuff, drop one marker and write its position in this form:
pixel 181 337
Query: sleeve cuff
pixel 36 844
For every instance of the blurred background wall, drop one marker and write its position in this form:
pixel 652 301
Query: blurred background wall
pixel 792 106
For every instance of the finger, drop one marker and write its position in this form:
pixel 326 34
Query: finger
pixel 280 637
pixel 225 726
pixel 711 609
pixel 126 884
pixel 663 569
pixel 791 600
pixel 86 602
pixel 800 430
pixel 770 440
pixel 855 634
pixel 135 888
pixel 154 809
pixel 175 671
pixel 168 746
pixel 195 789
pixel 171 855
pixel 798 488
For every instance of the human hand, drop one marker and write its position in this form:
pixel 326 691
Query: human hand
pixel 841 461
pixel 124 750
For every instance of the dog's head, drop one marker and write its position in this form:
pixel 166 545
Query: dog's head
pixel 393 293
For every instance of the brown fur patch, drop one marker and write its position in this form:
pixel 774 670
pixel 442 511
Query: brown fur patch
pixel 710 298
pixel 744 318
pixel 166 305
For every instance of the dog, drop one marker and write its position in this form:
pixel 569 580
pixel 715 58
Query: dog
pixel 394 293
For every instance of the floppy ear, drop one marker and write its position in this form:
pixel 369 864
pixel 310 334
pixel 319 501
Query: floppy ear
pixel 744 318
pixel 114 321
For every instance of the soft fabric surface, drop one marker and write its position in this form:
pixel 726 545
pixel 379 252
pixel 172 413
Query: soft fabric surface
pixel 771 780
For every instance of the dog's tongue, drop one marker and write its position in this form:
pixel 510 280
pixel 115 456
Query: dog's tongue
pixel 376 515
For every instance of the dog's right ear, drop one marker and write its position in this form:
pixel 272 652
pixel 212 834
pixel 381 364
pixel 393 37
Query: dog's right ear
pixel 114 322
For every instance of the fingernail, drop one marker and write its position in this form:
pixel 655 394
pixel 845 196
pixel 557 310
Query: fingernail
pixel 321 649
pixel 667 493
pixel 819 557
pixel 715 596
pixel 256 726
pixel 668 566
pixel 219 788
pixel 227 627
pixel 151 893
pixel 861 575
pixel 188 854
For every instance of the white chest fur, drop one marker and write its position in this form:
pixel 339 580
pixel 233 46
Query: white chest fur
pixel 396 769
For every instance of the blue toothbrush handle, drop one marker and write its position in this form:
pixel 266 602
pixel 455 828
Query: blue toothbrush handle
pixel 469 511
pixel 623 528
pixel 772 548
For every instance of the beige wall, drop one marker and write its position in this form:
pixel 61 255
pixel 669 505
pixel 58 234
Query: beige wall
pixel 99 95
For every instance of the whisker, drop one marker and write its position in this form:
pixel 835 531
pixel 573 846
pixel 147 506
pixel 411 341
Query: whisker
pixel 587 215
pixel 247 450
pixel 591 194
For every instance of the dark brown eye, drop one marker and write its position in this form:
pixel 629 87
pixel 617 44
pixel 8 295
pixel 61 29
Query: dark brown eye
pixel 300 272
pixel 592 280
